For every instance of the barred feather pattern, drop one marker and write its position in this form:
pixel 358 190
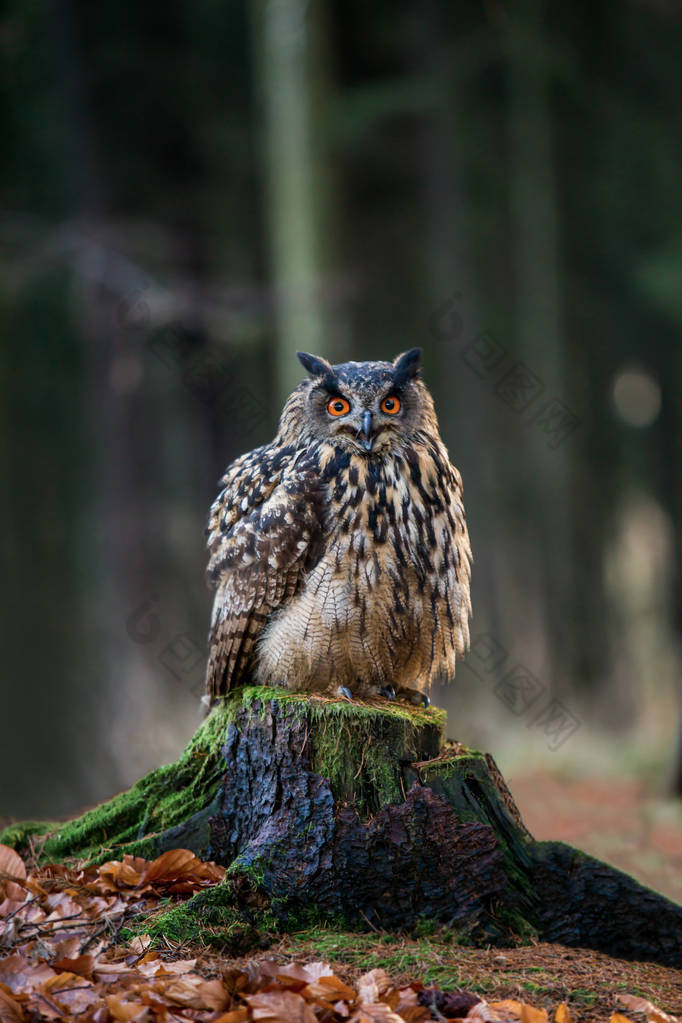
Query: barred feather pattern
pixel 334 566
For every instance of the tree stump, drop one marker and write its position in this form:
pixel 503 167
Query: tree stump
pixel 359 815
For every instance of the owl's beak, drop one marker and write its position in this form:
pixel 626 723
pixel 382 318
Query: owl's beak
pixel 367 430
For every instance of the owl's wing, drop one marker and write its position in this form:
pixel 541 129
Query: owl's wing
pixel 264 529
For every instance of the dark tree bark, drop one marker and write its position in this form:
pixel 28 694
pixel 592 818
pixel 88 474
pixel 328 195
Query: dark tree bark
pixel 357 814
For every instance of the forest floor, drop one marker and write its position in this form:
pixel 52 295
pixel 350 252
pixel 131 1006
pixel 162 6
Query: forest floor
pixel 62 955
pixel 620 820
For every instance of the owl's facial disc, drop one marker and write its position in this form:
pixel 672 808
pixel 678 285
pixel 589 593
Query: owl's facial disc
pixel 351 422
pixel 365 407
pixel 364 425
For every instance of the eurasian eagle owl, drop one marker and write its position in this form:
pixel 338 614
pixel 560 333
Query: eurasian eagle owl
pixel 339 552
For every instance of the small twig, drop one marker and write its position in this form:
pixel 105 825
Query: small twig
pixel 53 930
pixel 53 1005
pixel 369 922
pixel 439 1015
pixel 71 916
pixel 81 987
pixel 37 848
pixel 126 915
pixel 22 906
pixel 362 759
pixel 94 936
pixel 140 955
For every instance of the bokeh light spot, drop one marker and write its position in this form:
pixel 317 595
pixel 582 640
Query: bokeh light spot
pixel 636 396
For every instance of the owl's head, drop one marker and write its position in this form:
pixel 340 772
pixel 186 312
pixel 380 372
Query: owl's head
pixel 364 406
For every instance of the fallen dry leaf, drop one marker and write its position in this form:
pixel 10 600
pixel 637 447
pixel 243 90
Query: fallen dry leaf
pixel 11 864
pixel 185 991
pixel 509 1007
pixel 125 1011
pixel 379 1012
pixel 307 974
pixel 409 1007
pixel 215 995
pixel 371 986
pixel 178 966
pixel 60 928
pixel 170 864
pixel 280 1007
pixel 647 1008
pixel 141 943
pixel 10 1009
pixel 81 965
pixel 485 1012
pixel 529 1014
pixel 330 989
pixel 236 1016
pixel 18 974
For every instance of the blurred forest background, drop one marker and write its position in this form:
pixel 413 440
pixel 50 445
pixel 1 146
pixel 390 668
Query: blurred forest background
pixel 188 194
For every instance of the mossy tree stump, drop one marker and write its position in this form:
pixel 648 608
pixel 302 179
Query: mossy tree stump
pixel 359 815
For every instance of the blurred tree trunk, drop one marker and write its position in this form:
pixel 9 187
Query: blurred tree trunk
pixel 292 69
pixel 670 374
pixel 445 68
pixel 50 686
pixel 121 540
pixel 542 538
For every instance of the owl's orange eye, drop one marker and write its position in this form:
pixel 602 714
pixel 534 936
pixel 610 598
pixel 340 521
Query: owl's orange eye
pixel 391 405
pixel 338 407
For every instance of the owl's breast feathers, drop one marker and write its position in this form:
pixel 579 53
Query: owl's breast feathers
pixel 333 568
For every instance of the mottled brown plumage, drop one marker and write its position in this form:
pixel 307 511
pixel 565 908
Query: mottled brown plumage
pixel 339 552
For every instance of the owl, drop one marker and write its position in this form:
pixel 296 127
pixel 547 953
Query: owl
pixel 339 552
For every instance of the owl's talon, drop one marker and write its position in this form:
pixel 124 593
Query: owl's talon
pixel 388 692
pixel 345 692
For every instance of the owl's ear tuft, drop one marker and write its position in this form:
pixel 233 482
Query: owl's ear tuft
pixel 407 366
pixel 315 365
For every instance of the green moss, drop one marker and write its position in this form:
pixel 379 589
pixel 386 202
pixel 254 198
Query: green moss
pixel 320 706
pixel 171 805
pixel 217 917
pixel 253 872
pixel 18 836
pixel 452 763
pixel 535 989
pixel 517 927
pixel 583 996
pixel 418 958
pixel 359 748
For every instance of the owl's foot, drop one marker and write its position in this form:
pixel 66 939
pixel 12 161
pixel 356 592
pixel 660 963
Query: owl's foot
pixel 345 692
pixel 388 692
pixel 415 697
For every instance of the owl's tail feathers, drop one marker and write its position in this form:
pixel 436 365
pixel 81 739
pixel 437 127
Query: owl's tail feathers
pixel 230 647
pixel 223 644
